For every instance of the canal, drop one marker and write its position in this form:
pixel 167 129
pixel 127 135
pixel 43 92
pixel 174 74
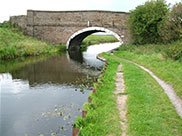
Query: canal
pixel 43 96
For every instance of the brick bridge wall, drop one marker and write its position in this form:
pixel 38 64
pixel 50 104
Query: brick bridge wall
pixel 58 26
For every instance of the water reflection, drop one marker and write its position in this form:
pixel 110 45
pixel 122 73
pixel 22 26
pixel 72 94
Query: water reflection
pixel 43 109
pixel 88 58
pixel 42 96
pixel 90 55
pixel 55 70
pixel 76 56
pixel 10 86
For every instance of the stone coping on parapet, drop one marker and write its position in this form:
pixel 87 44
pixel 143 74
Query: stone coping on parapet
pixel 71 11
pixel 19 16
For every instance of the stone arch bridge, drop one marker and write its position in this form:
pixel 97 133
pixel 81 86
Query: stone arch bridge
pixel 71 27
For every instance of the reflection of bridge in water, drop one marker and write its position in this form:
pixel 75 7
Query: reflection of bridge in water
pixel 64 69
pixel 88 61
pixel 42 86
pixel 83 65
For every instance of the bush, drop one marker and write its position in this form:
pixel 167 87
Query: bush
pixel 11 27
pixel 169 33
pixel 6 25
pixel 61 48
pixel 175 51
pixel 147 20
pixel 176 18
pixel 172 29
pixel 176 15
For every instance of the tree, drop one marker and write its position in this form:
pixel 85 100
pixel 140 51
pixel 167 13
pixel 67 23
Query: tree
pixel 172 28
pixel 176 18
pixel 146 21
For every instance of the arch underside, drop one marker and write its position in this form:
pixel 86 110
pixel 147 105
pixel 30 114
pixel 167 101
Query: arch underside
pixel 76 39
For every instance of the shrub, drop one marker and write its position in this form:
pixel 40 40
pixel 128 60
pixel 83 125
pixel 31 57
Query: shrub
pixel 146 21
pixel 6 25
pixel 175 50
pixel 168 32
pixel 176 18
pixel 172 29
pixel 176 15
pixel 61 48
pixel 11 27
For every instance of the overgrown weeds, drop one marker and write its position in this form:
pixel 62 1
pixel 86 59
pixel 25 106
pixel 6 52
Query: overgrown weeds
pixel 13 44
pixel 165 51
pixel 159 59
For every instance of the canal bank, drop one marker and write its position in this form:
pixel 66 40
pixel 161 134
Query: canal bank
pixel 44 97
pixel 149 110
pixel 14 44
pixel 102 116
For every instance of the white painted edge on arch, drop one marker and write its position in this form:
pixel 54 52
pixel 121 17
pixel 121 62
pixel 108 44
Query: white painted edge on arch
pixel 94 28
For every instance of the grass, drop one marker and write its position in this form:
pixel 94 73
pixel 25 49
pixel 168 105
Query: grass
pixel 97 39
pixel 154 57
pixel 103 116
pixel 13 44
pixel 149 111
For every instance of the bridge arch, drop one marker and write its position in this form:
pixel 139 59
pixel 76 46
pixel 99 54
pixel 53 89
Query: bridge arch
pixel 76 39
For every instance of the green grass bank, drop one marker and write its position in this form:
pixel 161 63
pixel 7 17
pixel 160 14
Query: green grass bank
pixel 97 39
pixel 158 59
pixel 13 44
pixel 102 114
pixel 149 111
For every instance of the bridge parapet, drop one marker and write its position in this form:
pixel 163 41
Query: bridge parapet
pixel 57 26
pixel 77 18
pixel 19 21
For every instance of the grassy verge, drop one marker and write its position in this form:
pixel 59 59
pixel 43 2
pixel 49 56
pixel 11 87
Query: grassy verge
pixel 154 57
pixel 149 111
pixel 14 44
pixel 97 39
pixel 103 116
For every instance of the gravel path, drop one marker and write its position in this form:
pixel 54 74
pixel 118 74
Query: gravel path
pixel 168 89
pixel 121 99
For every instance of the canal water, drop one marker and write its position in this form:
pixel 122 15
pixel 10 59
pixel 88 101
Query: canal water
pixel 42 96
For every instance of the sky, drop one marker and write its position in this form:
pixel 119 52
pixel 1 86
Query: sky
pixel 19 7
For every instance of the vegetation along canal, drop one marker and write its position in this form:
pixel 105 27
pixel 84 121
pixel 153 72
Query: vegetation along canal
pixel 43 96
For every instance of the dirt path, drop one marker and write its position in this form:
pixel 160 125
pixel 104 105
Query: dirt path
pixel 121 99
pixel 168 89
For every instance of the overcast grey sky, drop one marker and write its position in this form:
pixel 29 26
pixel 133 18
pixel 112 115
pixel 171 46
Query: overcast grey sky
pixel 19 7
